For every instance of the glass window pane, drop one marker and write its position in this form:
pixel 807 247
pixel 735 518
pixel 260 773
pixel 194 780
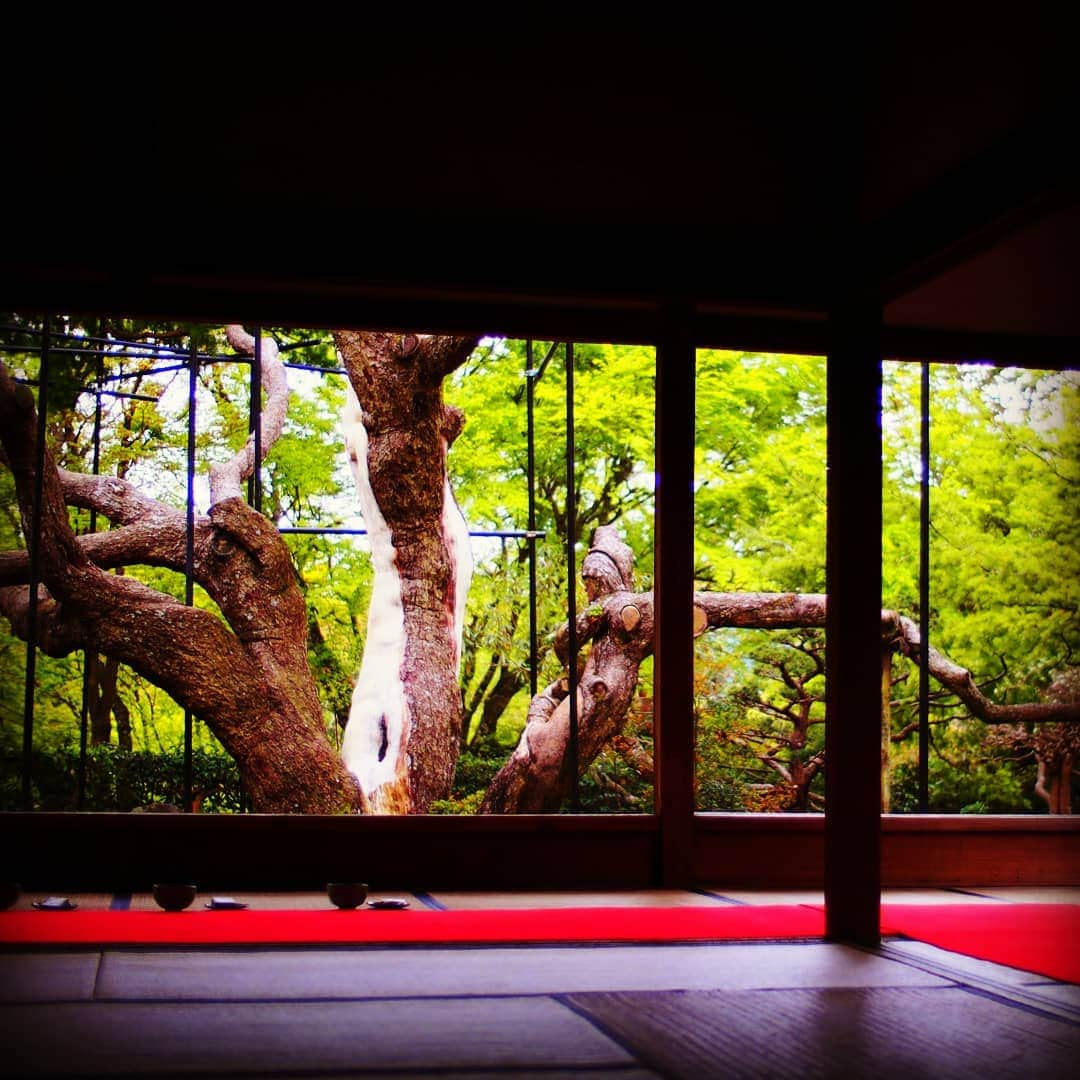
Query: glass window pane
pixel 759 532
pixel 1004 580
pixel 282 660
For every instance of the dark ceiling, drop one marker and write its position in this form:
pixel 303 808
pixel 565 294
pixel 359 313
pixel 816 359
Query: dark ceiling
pixel 757 172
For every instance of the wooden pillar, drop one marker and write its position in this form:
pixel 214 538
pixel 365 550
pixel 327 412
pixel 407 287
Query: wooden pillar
pixel 673 589
pixel 853 624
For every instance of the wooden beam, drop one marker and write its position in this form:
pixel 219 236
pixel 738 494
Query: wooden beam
pixel 966 347
pixel 1021 178
pixel 674 585
pixel 853 614
pixel 784 851
pixel 124 852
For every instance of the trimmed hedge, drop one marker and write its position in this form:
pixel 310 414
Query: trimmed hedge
pixel 122 780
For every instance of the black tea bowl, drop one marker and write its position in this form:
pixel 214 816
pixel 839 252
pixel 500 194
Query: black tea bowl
pixel 173 896
pixel 9 893
pixel 346 894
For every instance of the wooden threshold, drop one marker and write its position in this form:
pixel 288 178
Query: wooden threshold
pixel 271 851
pixel 118 852
pixel 787 850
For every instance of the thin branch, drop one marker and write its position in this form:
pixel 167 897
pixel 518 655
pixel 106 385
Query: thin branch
pixel 779 768
pixel 960 682
pixel 227 478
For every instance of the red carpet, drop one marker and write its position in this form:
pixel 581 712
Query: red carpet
pixel 1044 938
pixel 414 927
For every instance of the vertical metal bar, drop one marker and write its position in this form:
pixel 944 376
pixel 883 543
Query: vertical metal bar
pixel 530 414
pixel 673 689
pixel 189 551
pixel 853 622
pixel 924 589
pixel 84 724
pixel 90 657
pixel 34 545
pixel 571 578
pixel 255 411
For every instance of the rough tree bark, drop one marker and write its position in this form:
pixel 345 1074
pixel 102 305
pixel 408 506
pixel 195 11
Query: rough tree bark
pixel 619 623
pixel 248 680
pixel 537 776
pixel 404 728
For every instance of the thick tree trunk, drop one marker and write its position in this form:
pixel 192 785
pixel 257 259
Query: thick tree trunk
pixel 404 728
pixel 122 713
pixel 1057 794
pixel 537 776
pixel 101 691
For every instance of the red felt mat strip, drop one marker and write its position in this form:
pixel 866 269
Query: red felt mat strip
pixel 1043 938
pixel 395 927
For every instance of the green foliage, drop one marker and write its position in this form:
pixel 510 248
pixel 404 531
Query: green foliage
pixel 971 780
pixel 759 525
pixel 613 431
pixel 759 499
pixel 473 774
pixel 1005 545
pixel 120 781
pixel 614 423
pixel 612 785
pixel 1004 551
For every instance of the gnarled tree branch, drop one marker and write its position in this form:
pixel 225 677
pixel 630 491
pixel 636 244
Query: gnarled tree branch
pixel 253 687
pixel 147 543
pixel 118 500
pixel 959 681
pixel 620 625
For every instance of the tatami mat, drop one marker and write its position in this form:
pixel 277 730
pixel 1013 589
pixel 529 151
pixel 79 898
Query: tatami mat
pixel 48 976
pixel 888 896
pixel 1028 894
pixel 264 1039
pixel 917 951
pixel 765 897
pixel 944 1032
pixel 706 896
pixel 213 975
pixel 457 901
pixel 623 1012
